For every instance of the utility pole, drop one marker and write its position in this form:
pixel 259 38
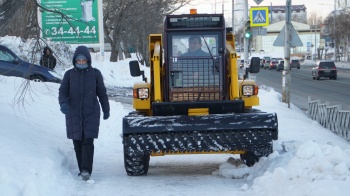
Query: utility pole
pixel 101 30
pixel 335 45
pixel 233 16
pixel 286 77
pixel 315 34
pixel 222 6
pixel 246 41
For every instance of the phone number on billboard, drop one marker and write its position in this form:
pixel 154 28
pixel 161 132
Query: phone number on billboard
pixel 71 31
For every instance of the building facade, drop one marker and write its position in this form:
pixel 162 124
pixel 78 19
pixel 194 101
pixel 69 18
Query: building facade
pixel 309 37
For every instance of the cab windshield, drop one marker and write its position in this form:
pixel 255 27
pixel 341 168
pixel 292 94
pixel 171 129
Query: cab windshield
pixel 194 45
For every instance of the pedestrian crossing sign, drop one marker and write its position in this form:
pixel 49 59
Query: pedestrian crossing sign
pixel 259 16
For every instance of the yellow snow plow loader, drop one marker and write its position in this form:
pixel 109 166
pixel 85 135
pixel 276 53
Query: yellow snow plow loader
pixel 195 102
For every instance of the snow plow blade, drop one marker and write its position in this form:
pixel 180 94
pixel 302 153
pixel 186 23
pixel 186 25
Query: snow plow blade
pixel 215 132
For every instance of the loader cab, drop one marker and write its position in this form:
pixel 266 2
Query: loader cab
pixel 194 47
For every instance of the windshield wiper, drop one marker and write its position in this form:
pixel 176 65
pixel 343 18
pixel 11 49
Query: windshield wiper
pixel 205 41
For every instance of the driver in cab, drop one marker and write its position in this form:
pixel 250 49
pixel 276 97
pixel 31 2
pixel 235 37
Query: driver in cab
pixel 195 47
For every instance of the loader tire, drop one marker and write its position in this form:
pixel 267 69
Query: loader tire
pixel 136 164
pixel 252 157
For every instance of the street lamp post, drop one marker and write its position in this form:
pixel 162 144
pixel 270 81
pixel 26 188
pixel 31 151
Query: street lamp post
pixel 315 27
pixel 334 34
pixel 233 16
pixel 245 40
pixel 316 54
pixel 334 41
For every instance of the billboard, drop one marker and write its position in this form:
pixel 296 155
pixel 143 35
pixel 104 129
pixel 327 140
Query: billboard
pixel 81 25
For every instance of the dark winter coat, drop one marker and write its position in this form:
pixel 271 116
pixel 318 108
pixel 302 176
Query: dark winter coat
pixel 48 61
pixel 80 89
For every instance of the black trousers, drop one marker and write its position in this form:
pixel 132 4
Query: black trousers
pixel 84 151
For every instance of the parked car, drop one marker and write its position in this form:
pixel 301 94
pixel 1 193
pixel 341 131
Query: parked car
pixel 267 58
pixel 295 63
pixel 280 65
pixel 12 65
pixel 241 64
pixel 267 64
pixel 273 65
pixel 262 63
pixel 279 59
pixel 324 68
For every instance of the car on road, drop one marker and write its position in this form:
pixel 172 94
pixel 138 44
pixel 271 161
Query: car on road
pixel 295 63
pixel 262 63
pixel 273 65
pixel 241 64
pixel 12 65
pixel 279 59
pixel 266 62
pixel 324 69
pixel 280 65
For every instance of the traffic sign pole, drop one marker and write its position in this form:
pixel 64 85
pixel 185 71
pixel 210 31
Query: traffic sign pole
pixel 286 75
pixel 245 40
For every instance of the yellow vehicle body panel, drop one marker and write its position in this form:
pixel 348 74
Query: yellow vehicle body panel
pixel 155 41
pixel 251 100
pixel 198 111
pixel 233 71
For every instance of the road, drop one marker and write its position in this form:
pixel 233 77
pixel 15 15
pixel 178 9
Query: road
pixel 120 94
pixel 302 85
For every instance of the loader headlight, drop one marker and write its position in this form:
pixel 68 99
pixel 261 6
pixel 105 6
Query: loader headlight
pixel 141 93
pixel 249 90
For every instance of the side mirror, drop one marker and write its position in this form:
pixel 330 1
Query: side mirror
pixel 17 61
pixel 134 68
pixel 254 65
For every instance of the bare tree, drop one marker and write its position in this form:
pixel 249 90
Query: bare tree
pixel 314 19
pixel 127 24
pixel 18 18
pixel 336 26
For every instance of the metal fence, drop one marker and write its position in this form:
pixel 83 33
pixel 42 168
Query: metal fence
pixel 330 117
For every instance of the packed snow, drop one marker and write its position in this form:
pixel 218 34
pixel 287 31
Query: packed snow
pixel 36 158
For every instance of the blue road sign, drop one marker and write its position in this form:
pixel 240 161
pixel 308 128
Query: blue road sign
pixel 259 16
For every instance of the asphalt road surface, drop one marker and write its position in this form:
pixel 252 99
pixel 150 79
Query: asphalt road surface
pixel 302 85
